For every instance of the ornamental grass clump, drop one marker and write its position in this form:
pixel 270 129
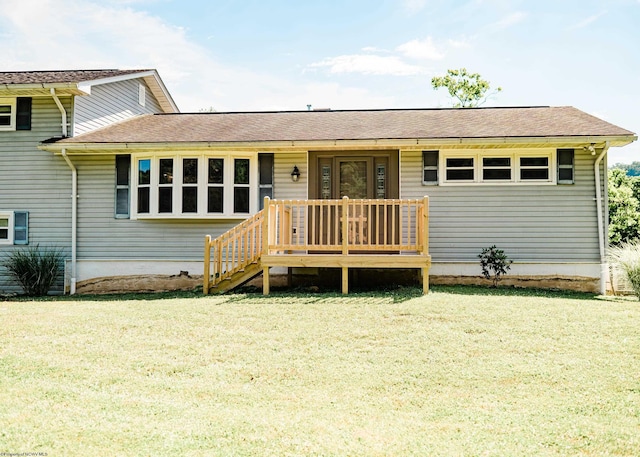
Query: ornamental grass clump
pixel 626 259
pixel 35 268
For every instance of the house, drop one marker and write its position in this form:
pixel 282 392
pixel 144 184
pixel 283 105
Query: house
pixel 531 180
pixel 101 164
pixel 35 186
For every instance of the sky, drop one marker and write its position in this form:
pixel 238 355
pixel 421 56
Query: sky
pixel 256 55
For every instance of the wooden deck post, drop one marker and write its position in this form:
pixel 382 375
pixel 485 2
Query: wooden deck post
pixel 425 243
pixel 345 242
pixel 207 264
pixel 265 245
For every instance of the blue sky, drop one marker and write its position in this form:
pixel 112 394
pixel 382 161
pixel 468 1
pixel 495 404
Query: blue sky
pixel 350 54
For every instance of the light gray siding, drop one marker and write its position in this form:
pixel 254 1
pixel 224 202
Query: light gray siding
pixel 102 236
pixel 284 187
pixel 109 103
pixel 531 223
pixel 36 181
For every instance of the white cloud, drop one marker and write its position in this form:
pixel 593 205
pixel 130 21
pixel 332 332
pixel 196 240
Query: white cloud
pixel 508 21
pixel 369 65
pixel 591 19
pixel 420 49
pixel 413 6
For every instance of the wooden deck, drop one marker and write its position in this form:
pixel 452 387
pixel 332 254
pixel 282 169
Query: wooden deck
pixel 343 234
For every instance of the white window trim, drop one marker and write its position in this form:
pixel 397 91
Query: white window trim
pixel 12 102
pixel 202 213
pixel 9 215
pixel 515 156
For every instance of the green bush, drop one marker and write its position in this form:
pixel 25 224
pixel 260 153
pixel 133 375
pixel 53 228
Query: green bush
pixel 35 268
pixel 494 263
pixel 626 259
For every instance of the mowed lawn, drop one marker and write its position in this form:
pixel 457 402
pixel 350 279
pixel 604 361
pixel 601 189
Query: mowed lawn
pixel 460 372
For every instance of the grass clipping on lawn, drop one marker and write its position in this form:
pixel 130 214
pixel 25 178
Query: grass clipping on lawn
pixel 458 372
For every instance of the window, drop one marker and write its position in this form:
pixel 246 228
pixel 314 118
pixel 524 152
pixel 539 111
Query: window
pixel 195 186
pixel 565 166
pixel 123 166
pixel 499 166
pixel 534 168
pixel 265 185
pixel 14 227
pixel 496 168
pixel 460 169
pixel 15 113
pixel 430 167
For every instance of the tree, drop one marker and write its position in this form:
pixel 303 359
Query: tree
pixel 469 89
pixel 624 207
pixel 632 169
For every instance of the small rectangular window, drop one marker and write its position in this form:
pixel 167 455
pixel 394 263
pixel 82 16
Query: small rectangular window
pixel 6 220
pixel 165 189
pixel 7 113
pixel 430 167
pixel 123 171
pixel 534 168
pixel 460 169
pixel 496 168
pixel 565 166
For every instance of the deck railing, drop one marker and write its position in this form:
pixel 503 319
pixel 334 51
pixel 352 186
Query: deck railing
pixel 345 226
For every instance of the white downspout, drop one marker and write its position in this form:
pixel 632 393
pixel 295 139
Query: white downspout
pixel 74 220
pixel 63 112
pixel 74 195
pixel 602 228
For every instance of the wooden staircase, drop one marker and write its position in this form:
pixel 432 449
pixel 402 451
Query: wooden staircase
pixel 236 256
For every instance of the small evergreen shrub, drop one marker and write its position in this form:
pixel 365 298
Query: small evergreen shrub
pixel 626 258
pixel 35 269
pixel 494 263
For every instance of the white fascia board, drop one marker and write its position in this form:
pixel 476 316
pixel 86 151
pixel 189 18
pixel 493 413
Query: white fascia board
pixel 86 85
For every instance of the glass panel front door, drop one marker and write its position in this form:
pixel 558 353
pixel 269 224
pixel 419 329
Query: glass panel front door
pixel 353 179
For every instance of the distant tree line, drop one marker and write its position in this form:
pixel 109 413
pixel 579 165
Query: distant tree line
pixel 632 169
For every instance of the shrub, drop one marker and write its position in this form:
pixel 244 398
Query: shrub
pixel 35 269
pixel 626 258
pixel 494 263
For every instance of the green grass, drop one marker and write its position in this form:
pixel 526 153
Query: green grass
pixel 461 372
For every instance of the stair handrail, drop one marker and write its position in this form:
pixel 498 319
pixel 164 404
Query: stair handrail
pixel 233 251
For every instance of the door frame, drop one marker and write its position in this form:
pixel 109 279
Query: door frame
pixel 334 157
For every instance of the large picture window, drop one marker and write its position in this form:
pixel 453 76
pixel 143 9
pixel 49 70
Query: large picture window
pixel 195 186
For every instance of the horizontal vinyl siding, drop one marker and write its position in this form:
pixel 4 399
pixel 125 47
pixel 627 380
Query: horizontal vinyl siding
pixel 109 103
pixel 36 181
pixel 544 223
pixel 101 236
pixel 284 187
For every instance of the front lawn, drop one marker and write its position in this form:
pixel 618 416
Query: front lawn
pixel 460 372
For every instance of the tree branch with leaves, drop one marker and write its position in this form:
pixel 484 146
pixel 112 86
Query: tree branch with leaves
pixel 469 89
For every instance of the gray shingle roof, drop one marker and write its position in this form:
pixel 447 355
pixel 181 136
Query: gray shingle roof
pixel 60 76
pixel 355 125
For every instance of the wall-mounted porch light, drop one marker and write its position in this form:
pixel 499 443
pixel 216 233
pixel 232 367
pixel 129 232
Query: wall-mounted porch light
pixel 295 174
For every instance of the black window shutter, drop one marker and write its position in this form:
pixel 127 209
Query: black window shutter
pixel 23 113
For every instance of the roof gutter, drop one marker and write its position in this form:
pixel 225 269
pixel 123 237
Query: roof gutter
pixel 602 226
pixel 63 113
